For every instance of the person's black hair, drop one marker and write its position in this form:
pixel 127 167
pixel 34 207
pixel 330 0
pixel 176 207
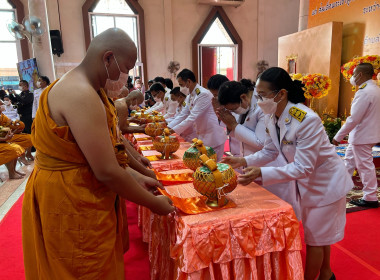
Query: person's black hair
pixel 129 82
pixel 230 92
pixel 6 96
pixel 186 74
pixel 248 84
pixel 156 87
pixel 45 79
pixel 159 80
pixel 150 81
pixel 169 83
pixel 2 94
pixel 216 81
pixel 177 92
pixel 24 82
pixel 366 69
pixel 279 79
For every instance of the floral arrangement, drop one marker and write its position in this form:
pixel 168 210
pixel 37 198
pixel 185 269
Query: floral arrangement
pixel 316 85
pixel 297 76
pixel 348 68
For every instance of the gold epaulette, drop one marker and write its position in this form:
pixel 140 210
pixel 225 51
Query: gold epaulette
pixel 166 98
pixel 298 114
pixel 183 104
pixel 197 91
pixel 363 86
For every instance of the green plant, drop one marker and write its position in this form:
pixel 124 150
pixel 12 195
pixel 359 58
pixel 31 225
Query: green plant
pixel 332 125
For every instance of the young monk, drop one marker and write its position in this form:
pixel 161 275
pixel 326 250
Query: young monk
pixel 8 155
pixel 73 221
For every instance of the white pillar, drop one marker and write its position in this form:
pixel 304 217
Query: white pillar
pixel 303 15
pixel 41 45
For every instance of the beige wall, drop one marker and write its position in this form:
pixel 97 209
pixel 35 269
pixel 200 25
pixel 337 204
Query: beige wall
pixel 170 26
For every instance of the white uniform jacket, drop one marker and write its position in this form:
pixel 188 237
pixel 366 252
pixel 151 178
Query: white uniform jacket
pixel 158 106
pixel 199 113
pixel 319 172
pixel 170 105
pixel 251 133
pixel 363 124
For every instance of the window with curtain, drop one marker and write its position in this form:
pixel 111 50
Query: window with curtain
pixel 8 46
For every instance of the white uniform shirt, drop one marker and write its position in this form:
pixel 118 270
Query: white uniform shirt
pixel 170 105
pixel 11 112
pixel 158 106
pixel 363 124
pixel 312 161
pixel 36 100
pixel 199 113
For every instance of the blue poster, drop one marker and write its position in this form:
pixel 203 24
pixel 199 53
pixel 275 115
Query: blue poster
pixel 28 71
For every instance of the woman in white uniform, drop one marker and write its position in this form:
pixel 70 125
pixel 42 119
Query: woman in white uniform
pixel 158 93
pixel 249 130
pixel 297 133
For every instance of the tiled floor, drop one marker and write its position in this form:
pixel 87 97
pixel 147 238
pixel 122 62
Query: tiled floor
pixel 11 190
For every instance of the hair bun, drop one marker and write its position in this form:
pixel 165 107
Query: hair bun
pixel 248 84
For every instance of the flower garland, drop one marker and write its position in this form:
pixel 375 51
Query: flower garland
pixel 316 85
pixel 348 68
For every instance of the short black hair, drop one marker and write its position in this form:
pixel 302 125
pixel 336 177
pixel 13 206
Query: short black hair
pixel 150 81
pixel 159 80
pixel 216 81
pixel 248 83
pixel 169 83
pixel 230 92
pixel 177 92
pixel 279 79
pixel 156 87
pixel 366 69
pixel 2 94
pixel 45 79
pixel 24 82
pixel 186 74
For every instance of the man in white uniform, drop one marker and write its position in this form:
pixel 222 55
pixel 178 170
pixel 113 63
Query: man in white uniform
pixel 170 106
pixel 364 132
pixel 199 113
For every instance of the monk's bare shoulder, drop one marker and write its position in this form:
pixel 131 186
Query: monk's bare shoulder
pixel 71 95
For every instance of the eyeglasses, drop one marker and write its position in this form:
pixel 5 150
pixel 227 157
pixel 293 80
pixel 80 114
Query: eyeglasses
pixel 260 97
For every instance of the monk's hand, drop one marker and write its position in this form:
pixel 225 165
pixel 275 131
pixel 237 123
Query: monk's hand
pixel 150 173
pixel 336 143
pixel 144 161
pixel 250 174
pixel 150 184
pixel 6 137
pixel 163 205
pixel 235 162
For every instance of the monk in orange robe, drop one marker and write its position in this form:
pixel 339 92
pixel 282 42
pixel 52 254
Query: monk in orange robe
pixel 21 139
pixel 72 217
pixel 9 154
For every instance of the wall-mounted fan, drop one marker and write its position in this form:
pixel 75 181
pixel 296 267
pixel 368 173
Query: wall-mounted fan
pixel 31 27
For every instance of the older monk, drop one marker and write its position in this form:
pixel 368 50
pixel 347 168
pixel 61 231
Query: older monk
pixel 73 211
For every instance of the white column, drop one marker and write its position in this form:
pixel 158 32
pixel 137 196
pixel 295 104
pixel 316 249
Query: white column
pixel 303 15
pixel 41 45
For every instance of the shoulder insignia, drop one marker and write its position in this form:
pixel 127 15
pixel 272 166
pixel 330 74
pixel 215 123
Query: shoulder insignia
pixel 197 91
pixel 298 114
pixel 285 142
pixel 183 103
pixel 363 86
pixel 166 98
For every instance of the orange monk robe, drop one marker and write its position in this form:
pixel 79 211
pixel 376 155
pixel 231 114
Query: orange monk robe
pixel 73 226
pixel 9 152
pixel 22 139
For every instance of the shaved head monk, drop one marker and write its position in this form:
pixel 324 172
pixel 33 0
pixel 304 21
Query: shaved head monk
pixel 73 216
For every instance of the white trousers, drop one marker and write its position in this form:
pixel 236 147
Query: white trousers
pixel 360 156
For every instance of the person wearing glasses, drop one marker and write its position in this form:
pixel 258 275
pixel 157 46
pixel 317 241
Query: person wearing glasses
pixel 249 130
pixel 296 132
pixel 158 94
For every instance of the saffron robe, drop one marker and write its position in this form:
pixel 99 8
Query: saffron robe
pixel 73 226
pixel 9 152
pixel 22 139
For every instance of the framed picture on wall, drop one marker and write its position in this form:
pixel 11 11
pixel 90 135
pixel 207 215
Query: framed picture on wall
pixel 292 64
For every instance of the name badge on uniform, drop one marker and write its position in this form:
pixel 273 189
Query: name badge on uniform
pixel 285 142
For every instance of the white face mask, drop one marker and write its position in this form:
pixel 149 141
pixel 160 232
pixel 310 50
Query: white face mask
pixel 6 103
pixel 268 105
pixel 240 110
pixel 20 88
pixel 157 99
pixel 352 80
pixel 38 84
pixel 112 87
pixel 184 90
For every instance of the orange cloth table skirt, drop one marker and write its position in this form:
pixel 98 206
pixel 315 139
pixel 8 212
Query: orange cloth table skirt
pixel 257 240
